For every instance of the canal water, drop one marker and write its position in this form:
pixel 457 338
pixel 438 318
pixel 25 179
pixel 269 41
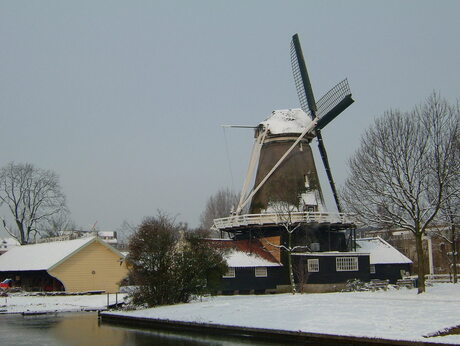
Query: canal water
pixel 85 329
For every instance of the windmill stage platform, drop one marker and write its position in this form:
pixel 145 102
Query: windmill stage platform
pixel 238 223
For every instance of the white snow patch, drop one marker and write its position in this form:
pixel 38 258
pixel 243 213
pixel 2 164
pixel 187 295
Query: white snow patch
pixel 287 121
pixel 5 242
pixel 17 303
pixel 381 252
pixel 240 259
pixel 313 198
pixel 276 207
pixel 396 314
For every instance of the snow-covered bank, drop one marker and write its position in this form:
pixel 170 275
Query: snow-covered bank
pixel 396 314
pixel 18 303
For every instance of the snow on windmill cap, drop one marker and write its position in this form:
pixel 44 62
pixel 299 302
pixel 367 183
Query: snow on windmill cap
pixel 287 121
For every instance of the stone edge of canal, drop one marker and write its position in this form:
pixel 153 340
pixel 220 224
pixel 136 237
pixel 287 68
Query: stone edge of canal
pixel 257 333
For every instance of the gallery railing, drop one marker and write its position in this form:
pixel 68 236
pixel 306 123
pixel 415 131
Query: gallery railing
pixel 281 218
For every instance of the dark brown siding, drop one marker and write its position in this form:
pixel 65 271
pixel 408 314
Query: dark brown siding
pixel 245 280
pixel 288 181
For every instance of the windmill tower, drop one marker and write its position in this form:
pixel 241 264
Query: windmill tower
pixel 286 170
pixel 295 181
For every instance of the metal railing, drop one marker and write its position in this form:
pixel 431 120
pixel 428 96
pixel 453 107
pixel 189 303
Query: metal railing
pixel 281 218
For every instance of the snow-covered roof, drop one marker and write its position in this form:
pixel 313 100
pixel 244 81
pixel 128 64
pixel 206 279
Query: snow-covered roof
pixel 244 259
pixel 287 121
pixel 41 256
pixel 380 251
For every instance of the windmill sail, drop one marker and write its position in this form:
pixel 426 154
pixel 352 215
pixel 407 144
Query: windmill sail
pixel 334 102
pixel 329 106
pixel 301 79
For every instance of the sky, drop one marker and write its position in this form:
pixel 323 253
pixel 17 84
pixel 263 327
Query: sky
pixel 125 100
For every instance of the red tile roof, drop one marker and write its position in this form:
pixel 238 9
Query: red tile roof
pixel 252 246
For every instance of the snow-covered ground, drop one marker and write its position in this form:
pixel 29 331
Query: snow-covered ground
pixel 393 314
pixel 17 303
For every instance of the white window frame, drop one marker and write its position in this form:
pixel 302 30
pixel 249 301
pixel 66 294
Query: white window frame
pixel 346 264
pixel 372 268
pixel 313 265
pixel 230 273
pixel 260 272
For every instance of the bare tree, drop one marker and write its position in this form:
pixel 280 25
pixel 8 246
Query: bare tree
pixel 454 237
pixel 450 218
pixel 301 273
pixel 400 174
pixel 32 195
pixel 124 232
pixel 57 225
pixel 218 205
pixel 284 217
pixel 284 212
pixel 284 200
pixel 448 233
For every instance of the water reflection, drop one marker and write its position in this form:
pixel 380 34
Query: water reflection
pixel 85 329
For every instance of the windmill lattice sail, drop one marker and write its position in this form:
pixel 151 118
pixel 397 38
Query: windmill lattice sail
pixel 301 79
pixel 332 98
pixel 329 106
pixel 340 94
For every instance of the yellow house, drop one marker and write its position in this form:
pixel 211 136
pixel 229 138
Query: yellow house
pixel 80 265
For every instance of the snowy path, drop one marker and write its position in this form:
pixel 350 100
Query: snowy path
pixel 396 314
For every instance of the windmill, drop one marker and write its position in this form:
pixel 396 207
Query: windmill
pixel 282 152
pixel 286 215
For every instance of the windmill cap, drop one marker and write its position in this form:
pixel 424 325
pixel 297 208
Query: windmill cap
pixel 287 121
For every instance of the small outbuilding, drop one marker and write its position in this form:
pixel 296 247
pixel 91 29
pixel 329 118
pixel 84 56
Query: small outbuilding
pixel 251 269
pixel 250 273
pixel 386 262
pixel 80 265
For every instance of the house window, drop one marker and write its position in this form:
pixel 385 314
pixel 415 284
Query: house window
pixel 372 267
pixel 261 272
pixel 313 265
pixel 230 273
pixel 346 264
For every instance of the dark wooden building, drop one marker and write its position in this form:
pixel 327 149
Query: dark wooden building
pixel 328 271
pixel 252 269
